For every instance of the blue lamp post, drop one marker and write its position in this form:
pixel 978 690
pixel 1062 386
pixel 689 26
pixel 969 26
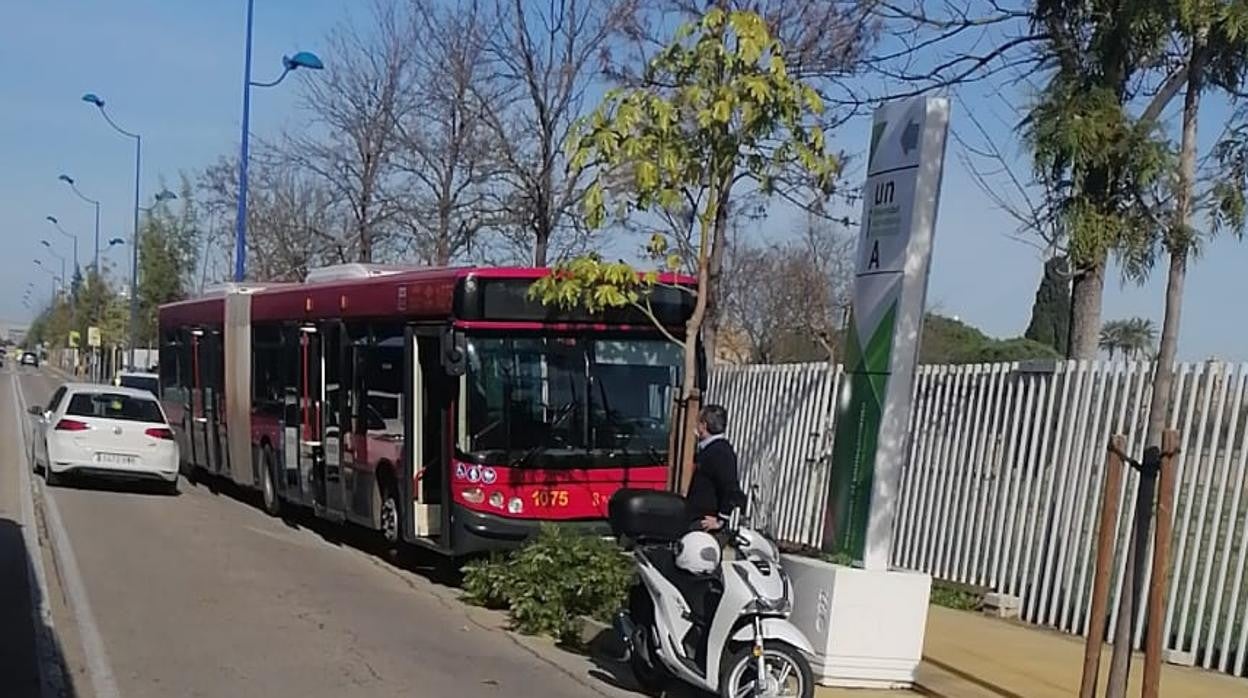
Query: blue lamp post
pixel 71 236
pixel 73 186
pixel 302 59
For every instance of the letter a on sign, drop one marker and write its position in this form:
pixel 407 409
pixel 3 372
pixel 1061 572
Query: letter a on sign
pixel 874 262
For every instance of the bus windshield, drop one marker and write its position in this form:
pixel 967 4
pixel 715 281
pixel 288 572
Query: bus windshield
pixel 570 401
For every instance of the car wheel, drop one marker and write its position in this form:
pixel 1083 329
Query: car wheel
pixel 268 483
pixel 34 462
pixel 390 515
pixel 170 488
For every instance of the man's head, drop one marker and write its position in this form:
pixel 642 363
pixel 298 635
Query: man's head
pixel 712 421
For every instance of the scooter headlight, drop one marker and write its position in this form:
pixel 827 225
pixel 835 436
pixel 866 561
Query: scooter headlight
pixel 780 606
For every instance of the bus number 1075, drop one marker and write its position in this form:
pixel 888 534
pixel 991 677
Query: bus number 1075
pixel 550 498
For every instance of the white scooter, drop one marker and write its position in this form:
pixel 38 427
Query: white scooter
pixel 725 630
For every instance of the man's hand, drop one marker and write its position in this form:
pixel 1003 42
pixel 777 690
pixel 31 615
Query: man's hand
pixel 711 523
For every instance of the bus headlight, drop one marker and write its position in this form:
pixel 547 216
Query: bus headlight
pixel 515 506
pixel 496 500
pixel 474 495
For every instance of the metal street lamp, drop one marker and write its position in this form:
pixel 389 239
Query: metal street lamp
pixel 91 98
pixel 302 59
pixel 57 280
pixel 71 236
pixel 53 252
pixel 161 196
pixel 73 186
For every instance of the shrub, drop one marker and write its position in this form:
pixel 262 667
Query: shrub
pixel 553 580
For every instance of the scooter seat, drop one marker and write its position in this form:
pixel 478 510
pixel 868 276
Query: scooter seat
pixel 700 591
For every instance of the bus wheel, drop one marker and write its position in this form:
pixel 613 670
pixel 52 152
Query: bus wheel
pixel 389 513
pixel 268 485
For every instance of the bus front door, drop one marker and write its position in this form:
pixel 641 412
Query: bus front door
pixel 336 369
pixel 200 392
pixel 304 446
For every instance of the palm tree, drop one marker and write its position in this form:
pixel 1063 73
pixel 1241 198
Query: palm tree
pixel 1133 337
pixel 1141 337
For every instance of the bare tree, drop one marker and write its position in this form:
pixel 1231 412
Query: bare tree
pixel 824 44
pixel 787 301
pixel 445 145
pixel 356 108
pixel 544 57
pixel 291 218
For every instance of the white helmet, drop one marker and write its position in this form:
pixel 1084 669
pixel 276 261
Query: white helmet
pixel 697 553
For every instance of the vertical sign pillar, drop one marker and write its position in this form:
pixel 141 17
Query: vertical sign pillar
pixel 904 170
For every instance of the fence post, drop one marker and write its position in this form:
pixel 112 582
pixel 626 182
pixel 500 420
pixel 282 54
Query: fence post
pixel 1097 616
pixel 1161 565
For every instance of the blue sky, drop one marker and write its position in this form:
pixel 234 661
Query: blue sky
pixel 172 70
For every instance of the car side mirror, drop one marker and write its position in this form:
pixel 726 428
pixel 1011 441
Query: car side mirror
pixel 35 410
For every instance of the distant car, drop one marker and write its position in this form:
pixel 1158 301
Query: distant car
pixel 104 431
pixel 139 381
pixel 30 358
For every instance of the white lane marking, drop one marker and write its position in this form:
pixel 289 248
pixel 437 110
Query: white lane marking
pixel 36 576
pixel 98 667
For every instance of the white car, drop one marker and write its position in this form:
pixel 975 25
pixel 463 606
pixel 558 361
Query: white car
pixel 140 380
pixel 100 430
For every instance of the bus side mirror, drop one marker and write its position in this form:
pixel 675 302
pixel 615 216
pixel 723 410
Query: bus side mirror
pixel 454 353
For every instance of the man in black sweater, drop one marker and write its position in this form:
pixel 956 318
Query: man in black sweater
pixel 714 488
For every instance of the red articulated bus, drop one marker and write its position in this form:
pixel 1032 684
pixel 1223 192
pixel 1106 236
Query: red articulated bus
pixel 442 407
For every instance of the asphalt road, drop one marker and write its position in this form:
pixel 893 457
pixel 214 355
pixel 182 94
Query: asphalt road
pixel 111 591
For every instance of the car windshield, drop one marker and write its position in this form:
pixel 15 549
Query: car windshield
pixel 114 406
pixel 554 401
pixel 148 383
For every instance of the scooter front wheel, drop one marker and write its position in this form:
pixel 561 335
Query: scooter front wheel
pixel 787 674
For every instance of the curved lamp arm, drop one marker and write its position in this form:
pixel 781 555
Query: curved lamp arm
pixel 59 229
pixel 74 186
pixel 99 103
pixel 302 59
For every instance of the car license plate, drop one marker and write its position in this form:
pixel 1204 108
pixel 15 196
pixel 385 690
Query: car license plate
pixel 115 459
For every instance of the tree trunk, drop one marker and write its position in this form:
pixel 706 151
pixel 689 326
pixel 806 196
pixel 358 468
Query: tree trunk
pixel 1178 244
pixel 1086 289
pixel 683 461
pixel 715 268
pixel 540 242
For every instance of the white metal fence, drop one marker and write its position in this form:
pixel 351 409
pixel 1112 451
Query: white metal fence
pixel 1003 483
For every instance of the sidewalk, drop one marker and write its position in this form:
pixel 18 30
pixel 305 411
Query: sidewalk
pixel 968 655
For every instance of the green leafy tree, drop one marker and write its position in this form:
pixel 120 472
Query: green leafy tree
pixel 715 108
pixel 1210 40
pixel 1050 314
pixel 1089 150
pixel 167 259
pixel 949 341
pixel 1132 338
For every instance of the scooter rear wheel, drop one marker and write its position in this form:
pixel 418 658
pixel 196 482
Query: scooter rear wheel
pixel 788 674
pixel 649 675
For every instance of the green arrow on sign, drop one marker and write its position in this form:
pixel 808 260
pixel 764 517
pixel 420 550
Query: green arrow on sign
pixel 876 132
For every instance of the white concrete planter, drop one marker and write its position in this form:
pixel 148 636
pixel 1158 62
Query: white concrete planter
pixel 866 626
